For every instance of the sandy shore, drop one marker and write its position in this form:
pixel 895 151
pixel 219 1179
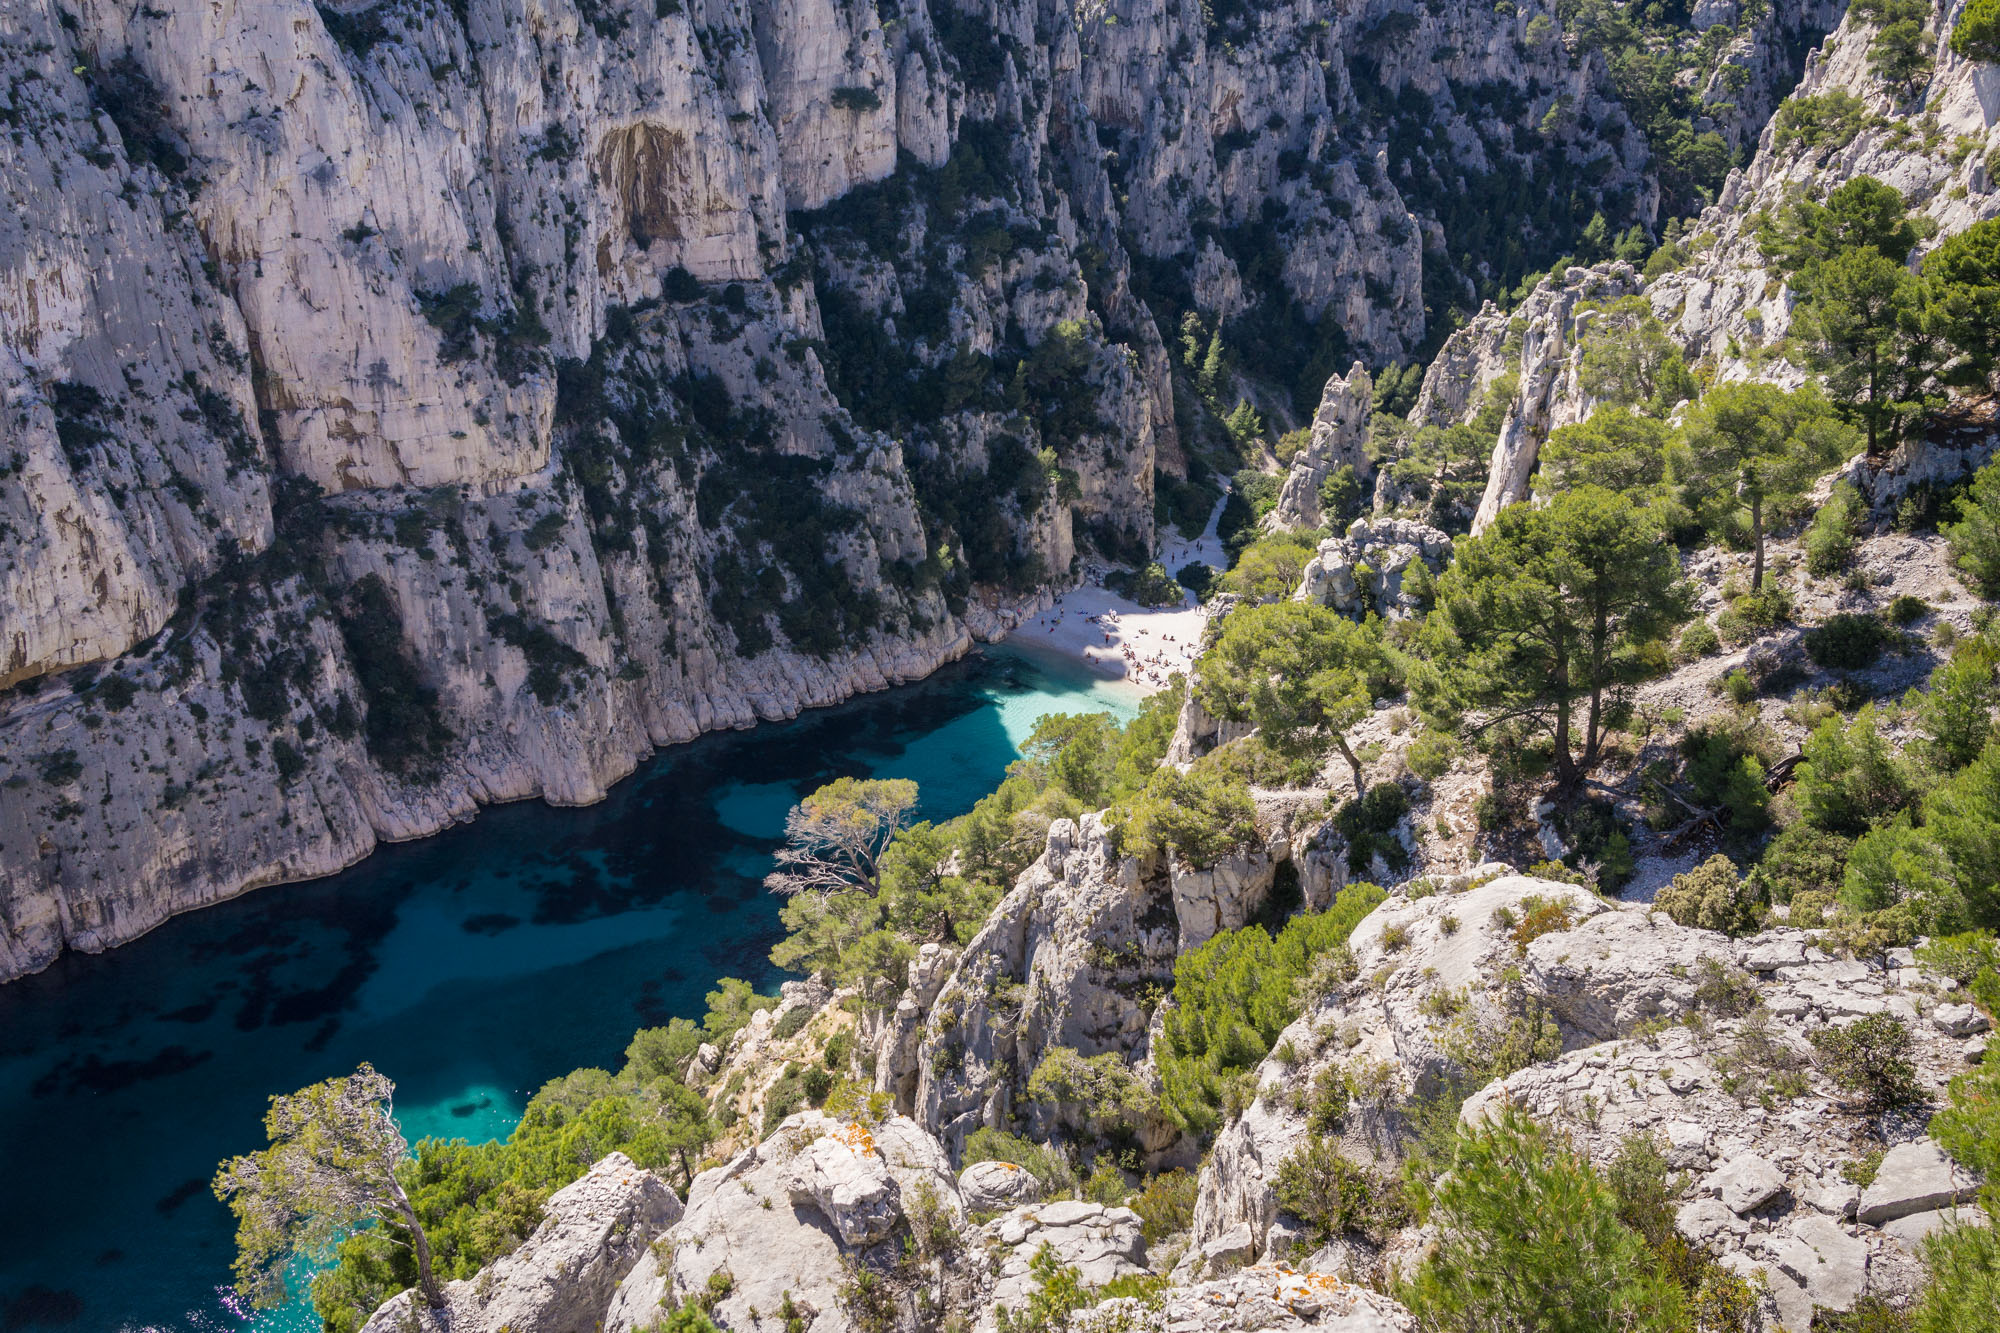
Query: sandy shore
pixel 1142 645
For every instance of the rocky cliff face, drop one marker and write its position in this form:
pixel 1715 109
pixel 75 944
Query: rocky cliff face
pixel 416 405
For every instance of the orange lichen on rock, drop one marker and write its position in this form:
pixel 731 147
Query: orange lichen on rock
pixel 857 1139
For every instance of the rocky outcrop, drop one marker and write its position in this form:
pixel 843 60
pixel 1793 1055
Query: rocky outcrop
pixel 1068 957
pixel 1364 570
pixel 1549 328
pixel 1339 439
pixel 789 1217
pixel 1621 1024
pixel 672 367
pixel 566 1275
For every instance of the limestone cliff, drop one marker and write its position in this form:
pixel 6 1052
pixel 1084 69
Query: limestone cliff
pixel 411 405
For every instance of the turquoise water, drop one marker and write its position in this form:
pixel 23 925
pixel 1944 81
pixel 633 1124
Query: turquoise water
pixel 470 967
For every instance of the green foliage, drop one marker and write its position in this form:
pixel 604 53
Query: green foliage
pixel 1270 567
pixel 1976 35
pixel 1850 777
pixel 1043 1161
pixel 1899 53
pixel 1945 863
pixel 1963 276
pixel 1550 608
pixel 938 881
pixel 730 1006
pixel 1340 497
pixel 1829 542
pixel 1233 995
pixel 1746 456
pixel 1368 824
pixel 1631 362
pixel 1303 674
pixel 1098 1096
pixel 1712 897
pixel 1863 317
pixel 1532 1238
pixel 1616 449
pixel 1826 122
pixel 1975 537
pixel 331 1168
pixel 1335 1196
pixel 1871 1057
pixel 1847 641
pixel 1166 1205
pixel 1201 816
pixel 1148 586
pixel 405 730
pixel 1802 859
pixel 1059 1296
pixel 1725 767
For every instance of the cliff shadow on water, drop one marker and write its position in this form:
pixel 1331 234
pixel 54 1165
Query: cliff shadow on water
pixel 470 967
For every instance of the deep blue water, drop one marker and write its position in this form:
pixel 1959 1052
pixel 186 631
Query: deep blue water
pixel 471 968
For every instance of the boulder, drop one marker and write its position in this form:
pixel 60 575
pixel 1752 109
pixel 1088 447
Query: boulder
pixel 1958 1020
pixel 989 1186
pixel 1914 1178
pixel 842 1175
pixel 789 1217
pixel 1829 1264
pixel 1102 1244
pixel 1745 1183
pixel 1909 1232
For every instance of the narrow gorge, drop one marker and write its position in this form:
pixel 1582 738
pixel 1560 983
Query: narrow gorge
pixel 1411 587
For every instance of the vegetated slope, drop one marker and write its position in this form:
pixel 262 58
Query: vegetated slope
pixel 1642 609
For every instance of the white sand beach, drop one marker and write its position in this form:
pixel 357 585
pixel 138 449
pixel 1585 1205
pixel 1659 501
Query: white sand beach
pixel 1144 646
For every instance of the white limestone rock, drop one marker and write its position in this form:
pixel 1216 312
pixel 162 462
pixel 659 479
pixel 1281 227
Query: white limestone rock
pixel 989 1186
pixel 1261 1298
pixel 1914 1178
pixel 563 1278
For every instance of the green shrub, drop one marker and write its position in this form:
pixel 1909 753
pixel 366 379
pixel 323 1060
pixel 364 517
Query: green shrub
pixel 1725 768
pixel 1335 1195
pixel 1197 578
pixel 1848 641
pixel 1802 859
pixel 1976 35
pixel 1166 1206
pixel 1530 1238
pixel 1043 1161
pixel 1975 537
pixel 1099 1095
pixel 1234 995
pixel 1431 754
pixel 1850 776
pixel 1830 121
pixel 1870 1056
pixel 1906 610
pixel 1200 815
pixel 1712 897
pixel 1369 826
pixel 1829 542
pixel 1697 641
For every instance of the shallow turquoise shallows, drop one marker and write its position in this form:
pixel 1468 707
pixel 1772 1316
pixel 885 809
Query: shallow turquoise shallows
pixel 471 968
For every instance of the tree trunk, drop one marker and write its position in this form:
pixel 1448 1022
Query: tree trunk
pixel 1757 536
pixel 420 1246
pixel 1352 763
pixel 1565 766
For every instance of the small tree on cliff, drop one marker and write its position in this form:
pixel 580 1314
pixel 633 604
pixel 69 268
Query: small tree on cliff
pixel 1305 675
pixel 1546 611
pixel 331 1168
pixel 834 839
